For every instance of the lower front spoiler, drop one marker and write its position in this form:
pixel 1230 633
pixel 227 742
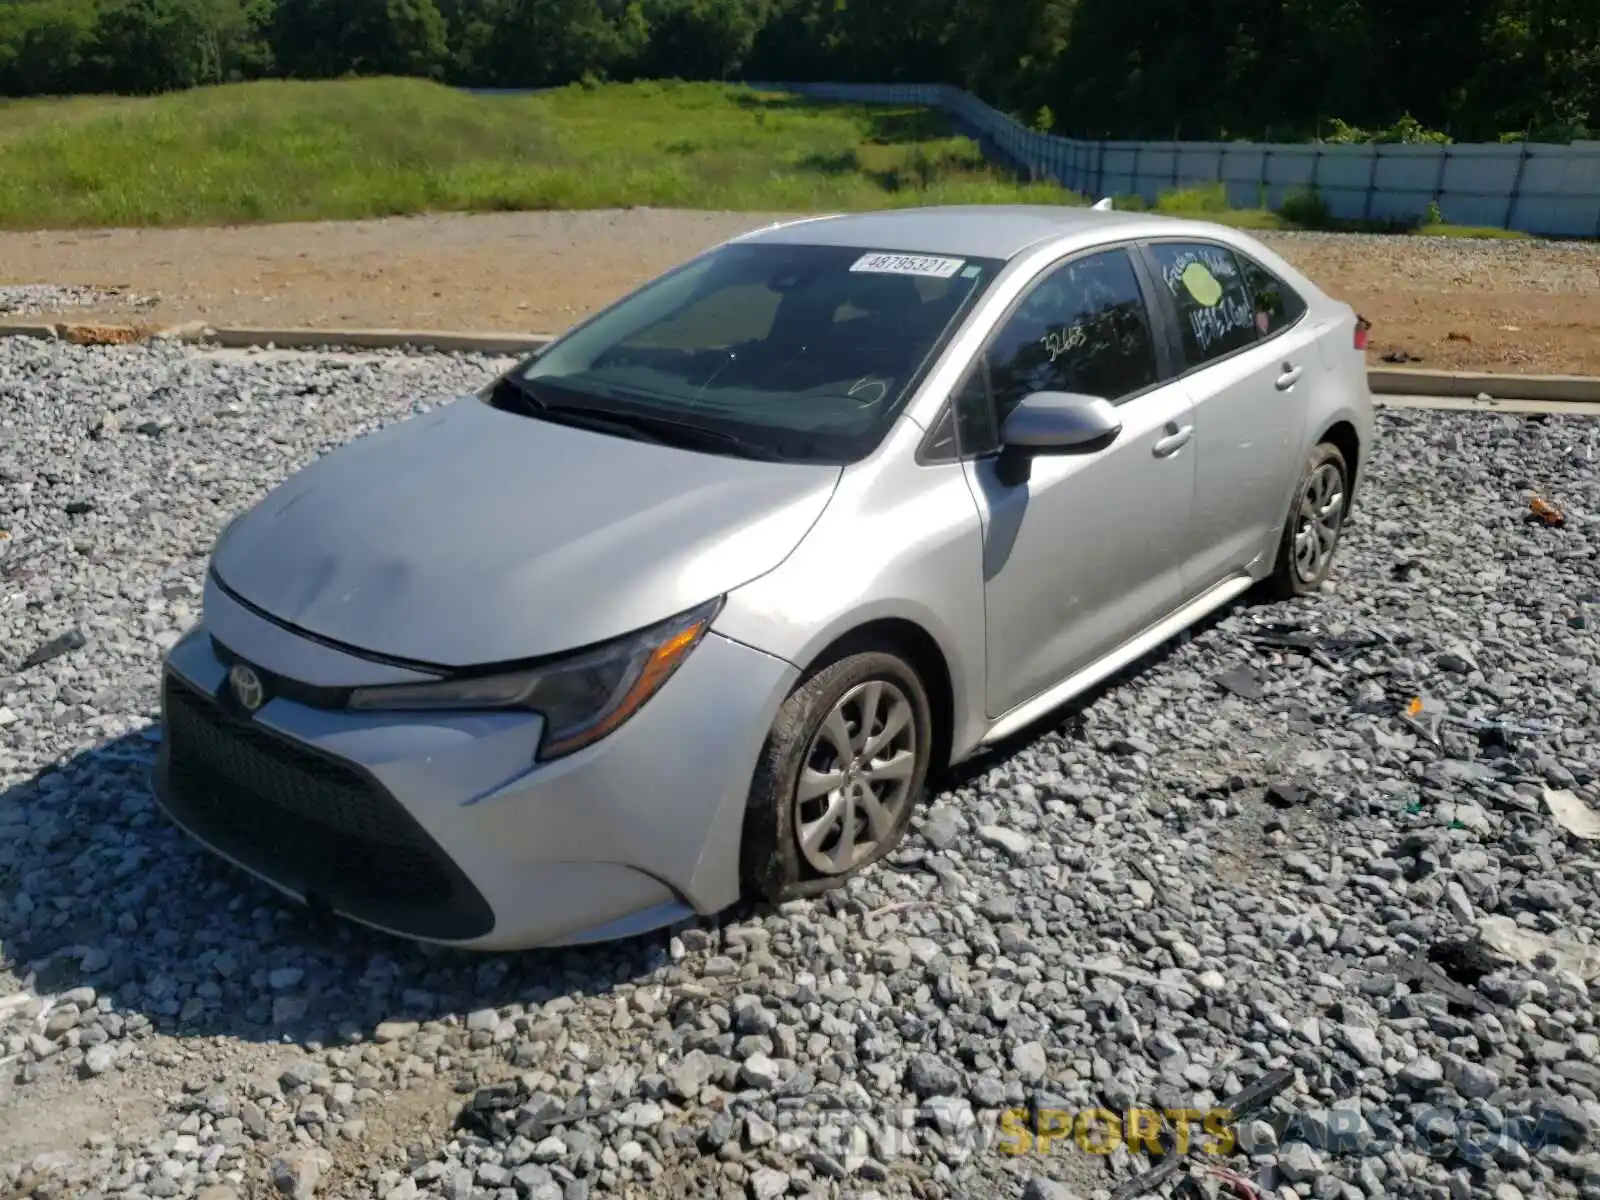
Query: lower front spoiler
pixel 644 921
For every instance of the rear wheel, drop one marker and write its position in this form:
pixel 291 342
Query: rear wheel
pixel 841 774
pixel 1316 519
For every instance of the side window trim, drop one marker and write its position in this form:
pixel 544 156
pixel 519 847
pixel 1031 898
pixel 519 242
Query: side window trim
pixel 1163 301
pixel 944 429
pixel 1161 319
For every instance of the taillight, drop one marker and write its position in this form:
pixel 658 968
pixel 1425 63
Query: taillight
pixel 1362 325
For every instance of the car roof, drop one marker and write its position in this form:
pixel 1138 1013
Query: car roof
pixel 999 231
pixel 1006 231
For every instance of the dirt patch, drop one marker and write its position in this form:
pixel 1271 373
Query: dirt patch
pixel 1521 306
pixel 62 1120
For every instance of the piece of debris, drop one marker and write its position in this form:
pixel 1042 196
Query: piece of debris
pixel 1242 682
pixel 1572 814
pixel 64 643
pixel 1322 648
pixel 1424 715
pixel 1233 1183
pixel 1421 970
pixel 1401 571
pixel 1286 795
pixel 1563 954
pixel 1542 511
pixel 1493 736
pixel 1401 356
pixel 1241 1104
pixel 1455 335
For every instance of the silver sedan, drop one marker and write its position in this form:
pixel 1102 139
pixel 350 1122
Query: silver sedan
pixel 687 607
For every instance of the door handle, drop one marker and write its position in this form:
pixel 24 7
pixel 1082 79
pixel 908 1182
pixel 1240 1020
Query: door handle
pixel 1176 438
pixel 1290 376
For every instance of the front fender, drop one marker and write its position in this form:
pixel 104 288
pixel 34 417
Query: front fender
pixel 899 541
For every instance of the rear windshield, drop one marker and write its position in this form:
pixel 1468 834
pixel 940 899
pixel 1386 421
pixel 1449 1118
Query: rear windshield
pixel 803 353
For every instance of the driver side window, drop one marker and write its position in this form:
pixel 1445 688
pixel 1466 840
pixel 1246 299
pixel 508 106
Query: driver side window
pixel 1082 328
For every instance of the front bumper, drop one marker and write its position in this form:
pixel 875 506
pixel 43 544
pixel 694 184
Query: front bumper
pixel 440 827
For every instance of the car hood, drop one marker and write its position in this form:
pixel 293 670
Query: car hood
pixel 470 536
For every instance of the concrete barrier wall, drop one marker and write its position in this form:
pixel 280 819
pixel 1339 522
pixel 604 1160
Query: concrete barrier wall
pixel 1533 187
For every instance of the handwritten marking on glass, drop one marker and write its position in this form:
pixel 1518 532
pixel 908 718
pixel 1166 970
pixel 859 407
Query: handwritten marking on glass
pixel 1211 325
pixel 1208 277
pixel 1215 261
pixel 1058 341
pixel 868 390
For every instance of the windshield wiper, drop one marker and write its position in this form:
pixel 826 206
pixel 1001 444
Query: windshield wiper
pixel 637 425
pixel 511 392
pixel 685 434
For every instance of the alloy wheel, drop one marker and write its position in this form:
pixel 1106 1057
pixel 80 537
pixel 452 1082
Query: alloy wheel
pixel 1317 523
pixel 856 777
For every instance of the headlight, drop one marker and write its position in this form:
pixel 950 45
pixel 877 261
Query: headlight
pixel 581 698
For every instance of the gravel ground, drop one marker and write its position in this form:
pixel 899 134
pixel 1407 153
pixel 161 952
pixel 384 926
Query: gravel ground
pixel 1239 858
pixel 38 299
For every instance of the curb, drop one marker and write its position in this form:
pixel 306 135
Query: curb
pixel 440 341
pixel 1572 389
pixel 46 333
pixel 1384 381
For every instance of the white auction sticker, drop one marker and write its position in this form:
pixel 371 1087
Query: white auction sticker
pixel 908 264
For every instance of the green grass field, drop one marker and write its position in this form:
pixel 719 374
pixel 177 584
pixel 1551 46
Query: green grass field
pixel 291 151
pixel 280 151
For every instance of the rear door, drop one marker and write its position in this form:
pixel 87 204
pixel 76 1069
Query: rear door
pixel 1247 357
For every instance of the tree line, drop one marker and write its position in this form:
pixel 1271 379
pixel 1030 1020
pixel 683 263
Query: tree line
pixel 1279 69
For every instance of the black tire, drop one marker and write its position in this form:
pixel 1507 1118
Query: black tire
pixel 774 865
pixel 1290 577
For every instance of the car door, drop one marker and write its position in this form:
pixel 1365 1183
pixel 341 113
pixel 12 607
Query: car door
pixel 1088 550
pixel 1247 357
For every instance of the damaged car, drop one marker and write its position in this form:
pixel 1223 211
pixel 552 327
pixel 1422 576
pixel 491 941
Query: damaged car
pixel 691 605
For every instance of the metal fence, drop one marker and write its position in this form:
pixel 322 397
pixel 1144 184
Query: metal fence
pixel 1530 186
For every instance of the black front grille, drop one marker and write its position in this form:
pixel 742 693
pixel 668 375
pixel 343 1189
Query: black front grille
pixel 314 824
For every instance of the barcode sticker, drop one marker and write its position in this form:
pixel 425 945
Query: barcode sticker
pixel 908 264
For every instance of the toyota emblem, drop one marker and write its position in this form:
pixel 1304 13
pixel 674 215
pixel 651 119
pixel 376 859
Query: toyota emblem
pixel 248 689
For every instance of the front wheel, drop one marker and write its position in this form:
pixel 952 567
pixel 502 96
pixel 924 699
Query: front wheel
pixel 1316 519
pixel 839 778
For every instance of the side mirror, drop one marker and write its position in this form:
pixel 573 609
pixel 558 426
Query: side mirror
pixel 1061 423
pixel 1054 423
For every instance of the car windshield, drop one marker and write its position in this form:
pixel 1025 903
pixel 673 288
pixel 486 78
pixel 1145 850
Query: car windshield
pixel 795 353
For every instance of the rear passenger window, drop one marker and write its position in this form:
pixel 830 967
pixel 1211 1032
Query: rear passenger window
pixel 1216 310
pixel 1277 304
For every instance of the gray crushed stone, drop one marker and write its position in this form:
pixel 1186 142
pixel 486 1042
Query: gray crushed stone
pixel 1171 893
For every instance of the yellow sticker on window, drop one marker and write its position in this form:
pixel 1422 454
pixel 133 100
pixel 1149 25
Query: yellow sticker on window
pixel 1202 284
